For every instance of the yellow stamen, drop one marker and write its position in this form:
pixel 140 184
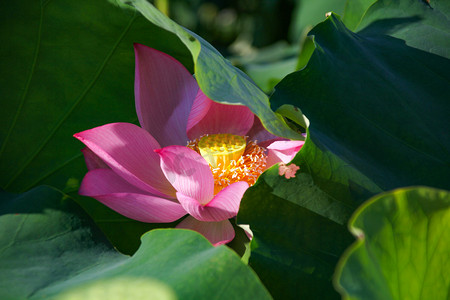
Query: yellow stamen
pixel 231 159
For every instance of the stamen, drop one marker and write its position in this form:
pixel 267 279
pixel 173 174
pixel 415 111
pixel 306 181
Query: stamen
pixel 244 164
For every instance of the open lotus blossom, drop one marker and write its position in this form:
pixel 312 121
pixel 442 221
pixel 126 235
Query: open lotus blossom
pixel 191 156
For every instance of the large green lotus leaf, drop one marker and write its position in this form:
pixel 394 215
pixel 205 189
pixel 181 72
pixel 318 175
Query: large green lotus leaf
pixel 67 66
pixel 122 232
pixel 420 24
pixel 378 113
pixel 403 247
pixel 51 249
pixel 217 78
pixel 377 104
pixel 299 232
pixel 306 233
pixel 299 224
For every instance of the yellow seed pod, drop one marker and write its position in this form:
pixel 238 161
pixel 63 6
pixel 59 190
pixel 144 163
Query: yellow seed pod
pixel 221 149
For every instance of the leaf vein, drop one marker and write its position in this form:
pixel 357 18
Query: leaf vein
pixel 77 101
pixel 27 84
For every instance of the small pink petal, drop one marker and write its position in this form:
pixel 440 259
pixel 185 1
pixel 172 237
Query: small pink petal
pixel 282 151
pixel 247 230
pixel 220 118
pixel 188 172
pixel 287 171
pixel 110 189
pixel 164 91
pixel 223 206
pixel 129 151
pixel 93 161
pixel 290 173
pixel 217 233
pixel 282 168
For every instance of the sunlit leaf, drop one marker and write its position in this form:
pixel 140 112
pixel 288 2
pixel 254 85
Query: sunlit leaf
pixel 402 251
pixel 51 249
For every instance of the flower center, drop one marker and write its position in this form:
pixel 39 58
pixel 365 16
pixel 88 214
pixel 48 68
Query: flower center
pixel 221 149
pixel 231 158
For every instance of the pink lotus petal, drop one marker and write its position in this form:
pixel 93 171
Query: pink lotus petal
pixel 217 233
pixel 199 109
pixel 164 91
pixel 220 118
pixel 106 181
pixel 188 172
pixel 282 151
pixel 93 161
pixel 129 151
pixel 114 192
pixel 223 206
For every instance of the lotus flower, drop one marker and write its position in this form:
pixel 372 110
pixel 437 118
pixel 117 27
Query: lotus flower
pixel 191 156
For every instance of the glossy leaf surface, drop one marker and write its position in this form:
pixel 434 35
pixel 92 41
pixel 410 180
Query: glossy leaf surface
pixel 376 103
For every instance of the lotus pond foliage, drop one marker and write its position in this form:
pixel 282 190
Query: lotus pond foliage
pixel 140 163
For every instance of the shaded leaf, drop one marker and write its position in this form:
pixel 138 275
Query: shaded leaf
pixel 50 249
pixel 402 251
pixel 378 117
pixel 299 234
pixel 67 66
pixel 375 103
